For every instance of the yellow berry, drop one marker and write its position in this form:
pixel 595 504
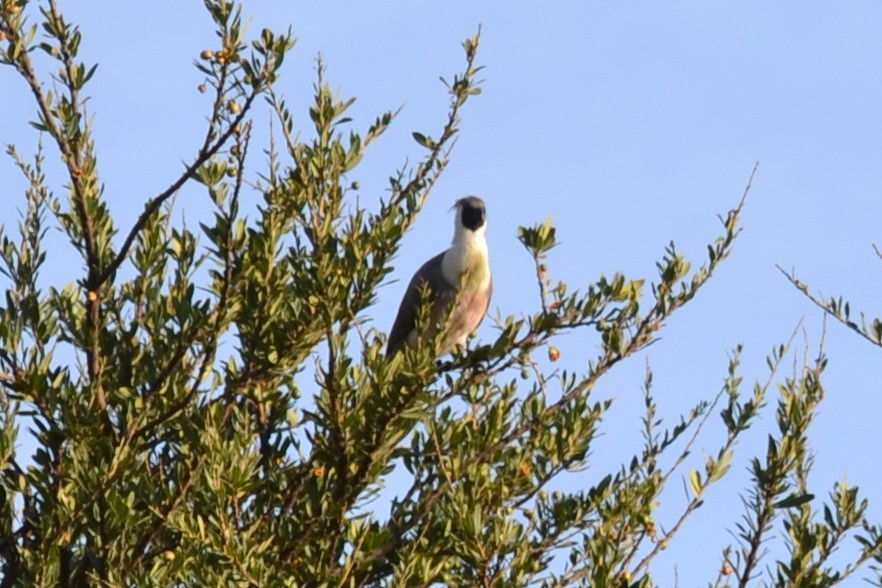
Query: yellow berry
pixel 169 555
pixel 234 107
pixel 553 353
pixel 207 54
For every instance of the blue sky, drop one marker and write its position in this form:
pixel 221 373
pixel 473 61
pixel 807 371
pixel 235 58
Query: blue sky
pixel 629 123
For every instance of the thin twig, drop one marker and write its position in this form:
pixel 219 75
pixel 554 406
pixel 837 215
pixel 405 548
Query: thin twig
pixel 207 152
pixel 825 306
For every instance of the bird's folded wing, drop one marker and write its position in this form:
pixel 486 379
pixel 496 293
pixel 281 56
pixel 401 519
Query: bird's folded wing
pixel 430 274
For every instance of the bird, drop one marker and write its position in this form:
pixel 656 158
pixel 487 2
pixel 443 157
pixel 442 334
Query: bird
pixel 460 275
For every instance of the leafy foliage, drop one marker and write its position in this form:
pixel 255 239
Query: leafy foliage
pixel 162 461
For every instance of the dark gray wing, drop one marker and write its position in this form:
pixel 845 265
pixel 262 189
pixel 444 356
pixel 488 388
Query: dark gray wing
pixel 430 273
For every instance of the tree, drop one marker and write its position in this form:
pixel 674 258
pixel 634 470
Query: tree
pixel 162 461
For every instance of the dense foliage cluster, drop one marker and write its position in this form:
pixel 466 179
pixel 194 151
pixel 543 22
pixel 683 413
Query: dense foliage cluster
pixel 162 461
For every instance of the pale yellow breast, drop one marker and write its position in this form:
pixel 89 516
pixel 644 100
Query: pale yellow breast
pixel 476 277
pixel 468 267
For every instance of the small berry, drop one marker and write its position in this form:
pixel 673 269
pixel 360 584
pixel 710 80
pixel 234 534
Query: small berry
pixel 234 107
pixel 553 353
pixel 202 89
pixel 207 54
pixel 169 555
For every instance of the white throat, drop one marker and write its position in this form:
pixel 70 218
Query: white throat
pixel 467 254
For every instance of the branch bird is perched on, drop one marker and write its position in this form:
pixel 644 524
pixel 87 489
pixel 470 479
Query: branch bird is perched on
pixel 460 275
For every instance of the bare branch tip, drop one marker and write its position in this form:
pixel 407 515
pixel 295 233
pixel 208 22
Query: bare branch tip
pixel 748 186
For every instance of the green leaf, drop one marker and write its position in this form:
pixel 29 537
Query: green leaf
pixel 695 481
pixel 794 500
pixel 423 140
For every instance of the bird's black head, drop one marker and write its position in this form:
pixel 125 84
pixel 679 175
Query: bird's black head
pixel 472 212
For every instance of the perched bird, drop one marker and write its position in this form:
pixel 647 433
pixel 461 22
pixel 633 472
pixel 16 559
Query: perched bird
pixel 459 275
